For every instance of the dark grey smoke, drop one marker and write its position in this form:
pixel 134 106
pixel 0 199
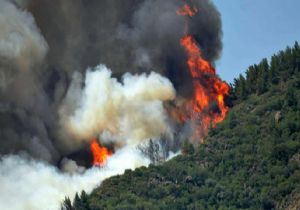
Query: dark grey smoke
pixel 131 35
pixel 71 35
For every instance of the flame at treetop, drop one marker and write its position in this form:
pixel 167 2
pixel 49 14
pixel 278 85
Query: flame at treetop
pixel 186 10
pixel 208 87
pixel 208 105
pixel 100 154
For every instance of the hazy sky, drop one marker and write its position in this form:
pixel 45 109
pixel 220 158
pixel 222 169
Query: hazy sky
pixel 255 29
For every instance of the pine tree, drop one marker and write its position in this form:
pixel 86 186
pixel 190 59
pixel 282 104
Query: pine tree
pixel 241 90
pixel 262 82
pixel 67 204
pixel 289 61
pixel 290 97
pixel 251 78
pixel 296 57
pixel 81 203
pixel 273 77
pixel 232 119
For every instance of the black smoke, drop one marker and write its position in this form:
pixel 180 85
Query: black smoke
pixel 128 36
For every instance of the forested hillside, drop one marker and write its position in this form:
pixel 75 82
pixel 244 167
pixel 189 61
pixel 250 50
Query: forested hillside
pixel 249 161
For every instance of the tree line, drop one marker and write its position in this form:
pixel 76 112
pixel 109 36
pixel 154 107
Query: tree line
pixel 259 78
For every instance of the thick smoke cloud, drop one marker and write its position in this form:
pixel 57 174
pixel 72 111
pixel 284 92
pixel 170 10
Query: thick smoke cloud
pixel 125 113
pixel 42 44
pixel 127 36
pixel 23 102
pixel 21 44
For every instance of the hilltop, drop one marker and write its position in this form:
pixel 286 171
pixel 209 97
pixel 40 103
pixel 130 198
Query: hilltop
pixel 249 161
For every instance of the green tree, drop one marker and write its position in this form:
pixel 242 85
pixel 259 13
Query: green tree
pixel 67 204
pixel 290 97
pixel 233 121
pixel 262 82
pixel 273 76
pixel 187 147
pixel 296 57
pixel 240 87
pixel 251 78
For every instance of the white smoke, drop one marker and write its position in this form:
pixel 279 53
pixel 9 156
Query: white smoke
pixel 125 113
pixel 20 40
pixel 33 185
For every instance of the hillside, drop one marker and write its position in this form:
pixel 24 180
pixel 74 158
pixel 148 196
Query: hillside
pixel 249 161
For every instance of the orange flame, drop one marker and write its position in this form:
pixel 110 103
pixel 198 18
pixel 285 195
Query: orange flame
pixel 208 87
pixel 197 65
pixel 186 10
pixel 100 154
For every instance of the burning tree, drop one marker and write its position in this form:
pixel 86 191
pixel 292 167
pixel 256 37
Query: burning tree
pixel 209 89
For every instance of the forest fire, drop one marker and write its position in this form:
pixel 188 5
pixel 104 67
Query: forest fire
pixel 207 105
pixel 112 88
pixel 100 154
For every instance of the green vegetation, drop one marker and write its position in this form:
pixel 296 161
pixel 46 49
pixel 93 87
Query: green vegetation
pixel 249 161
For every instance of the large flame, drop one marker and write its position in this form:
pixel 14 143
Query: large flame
pixel 208 87
pixel 208 107
pixel 100 154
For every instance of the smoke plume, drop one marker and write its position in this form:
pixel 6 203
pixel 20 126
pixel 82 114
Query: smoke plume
pixel 42 44
pixel 55 97
pixel 125 113
pixel 132 36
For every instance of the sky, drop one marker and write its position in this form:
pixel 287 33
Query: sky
pixel 253 30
